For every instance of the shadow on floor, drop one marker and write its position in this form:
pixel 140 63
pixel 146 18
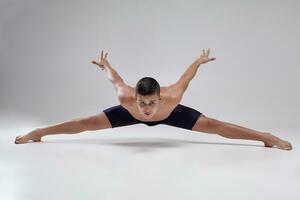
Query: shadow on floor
pixel 141 142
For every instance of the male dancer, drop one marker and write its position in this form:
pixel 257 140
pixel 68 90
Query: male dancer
pixel 150 104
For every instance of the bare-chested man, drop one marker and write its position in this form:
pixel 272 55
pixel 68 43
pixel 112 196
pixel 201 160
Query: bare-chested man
pixel 151 104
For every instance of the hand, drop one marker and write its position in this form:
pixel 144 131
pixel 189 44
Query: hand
pixel 103 63
pixel 204 58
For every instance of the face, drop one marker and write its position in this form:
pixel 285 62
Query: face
pixel 148 105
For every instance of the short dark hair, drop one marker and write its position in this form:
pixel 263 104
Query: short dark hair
pixel 147 86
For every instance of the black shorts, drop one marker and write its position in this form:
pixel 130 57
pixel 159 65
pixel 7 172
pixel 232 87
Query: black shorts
pixel 182 116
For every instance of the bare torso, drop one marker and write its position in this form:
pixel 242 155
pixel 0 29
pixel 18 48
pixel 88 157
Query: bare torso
pixel 167 103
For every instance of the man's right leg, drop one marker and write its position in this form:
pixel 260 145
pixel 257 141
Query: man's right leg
pixel 95 122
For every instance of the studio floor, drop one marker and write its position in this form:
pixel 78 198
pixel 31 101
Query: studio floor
pixel 140 162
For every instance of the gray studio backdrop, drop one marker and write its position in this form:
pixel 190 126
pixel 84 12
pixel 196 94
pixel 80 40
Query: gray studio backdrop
pixel 46 48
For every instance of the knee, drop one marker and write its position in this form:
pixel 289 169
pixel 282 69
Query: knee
pixel 213 124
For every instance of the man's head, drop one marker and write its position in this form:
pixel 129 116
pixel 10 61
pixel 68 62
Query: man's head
pixel 147 93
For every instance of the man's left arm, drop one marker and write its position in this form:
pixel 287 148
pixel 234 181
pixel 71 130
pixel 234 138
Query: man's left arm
pixel 190 73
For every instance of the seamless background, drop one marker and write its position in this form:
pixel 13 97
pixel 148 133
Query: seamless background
pixel 46 77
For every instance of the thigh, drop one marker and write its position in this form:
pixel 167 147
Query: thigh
pixel 96 122
pixel 119 116
pixel 183 117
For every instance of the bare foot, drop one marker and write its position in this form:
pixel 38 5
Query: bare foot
pixel 276 141
pixel 34 135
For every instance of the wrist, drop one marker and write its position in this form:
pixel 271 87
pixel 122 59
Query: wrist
pixel 107 68
pixel 197 62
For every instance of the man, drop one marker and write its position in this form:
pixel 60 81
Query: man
pixel 151 104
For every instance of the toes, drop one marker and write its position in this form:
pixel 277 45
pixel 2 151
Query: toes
pixel 285 147
pixel 289 147
pixel 18 139
pixel 281 144
pixel 23 139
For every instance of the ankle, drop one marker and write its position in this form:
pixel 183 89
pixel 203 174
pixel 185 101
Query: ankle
pixel 268 136
pixel 39 132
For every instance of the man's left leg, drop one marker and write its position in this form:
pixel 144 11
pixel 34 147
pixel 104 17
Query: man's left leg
pixel 233 131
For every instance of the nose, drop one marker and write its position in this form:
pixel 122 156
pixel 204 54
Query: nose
pixel 147 111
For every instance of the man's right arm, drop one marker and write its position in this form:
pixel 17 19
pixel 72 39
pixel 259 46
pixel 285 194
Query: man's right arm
pixel 112 74
pixel 121 87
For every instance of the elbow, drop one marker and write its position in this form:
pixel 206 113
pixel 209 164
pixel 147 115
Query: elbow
pixel 117 81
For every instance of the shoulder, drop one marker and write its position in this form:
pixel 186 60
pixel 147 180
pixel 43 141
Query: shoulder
pixel 172 93
pixel 126 93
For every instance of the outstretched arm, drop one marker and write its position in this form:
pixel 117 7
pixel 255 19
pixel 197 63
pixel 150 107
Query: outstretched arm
pixel 189 74
pixel 112 74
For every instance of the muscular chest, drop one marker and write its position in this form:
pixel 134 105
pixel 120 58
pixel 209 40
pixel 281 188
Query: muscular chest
pixel 166 105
